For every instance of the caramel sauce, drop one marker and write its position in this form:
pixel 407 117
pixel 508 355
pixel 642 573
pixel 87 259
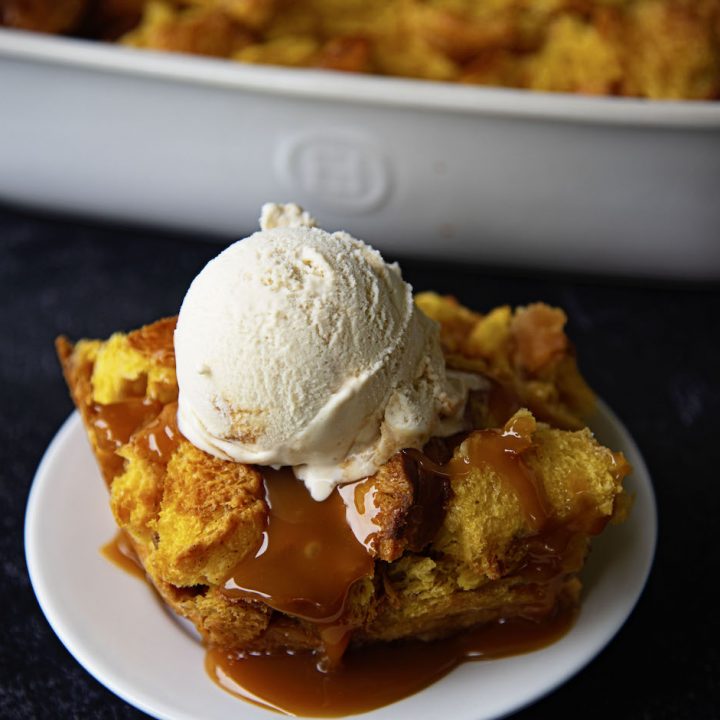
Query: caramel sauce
pixel 113 425
pixel 309 556
pixel 116 422
pixel 120 552
pixel 501 450
pixel 361 511
pixel 159 439
pixel 374 675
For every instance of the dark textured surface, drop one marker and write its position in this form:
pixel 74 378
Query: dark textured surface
pixel 652 351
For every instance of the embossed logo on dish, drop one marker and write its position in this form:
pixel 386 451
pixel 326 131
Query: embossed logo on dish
pixel 340 170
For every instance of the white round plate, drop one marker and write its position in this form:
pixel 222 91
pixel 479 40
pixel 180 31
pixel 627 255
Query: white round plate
pixel 117 629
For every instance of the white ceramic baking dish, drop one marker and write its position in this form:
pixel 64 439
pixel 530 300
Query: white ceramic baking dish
pixel 430 169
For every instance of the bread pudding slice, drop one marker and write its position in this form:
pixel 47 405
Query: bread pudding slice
pixel 492 524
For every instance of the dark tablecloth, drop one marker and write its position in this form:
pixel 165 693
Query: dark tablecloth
pixel 651 350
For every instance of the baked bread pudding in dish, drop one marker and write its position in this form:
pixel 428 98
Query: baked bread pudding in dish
pixel 659 49
pixel 439 487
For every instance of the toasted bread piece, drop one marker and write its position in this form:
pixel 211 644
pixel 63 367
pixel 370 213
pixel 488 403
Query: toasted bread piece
pixel 525 352
pixel 452 548
pixel 198 515
pixel 408 505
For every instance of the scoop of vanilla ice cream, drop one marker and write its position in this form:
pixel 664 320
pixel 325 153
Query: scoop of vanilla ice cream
pixel 301 347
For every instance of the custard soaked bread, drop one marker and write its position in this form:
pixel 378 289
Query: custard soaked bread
pixel 490 524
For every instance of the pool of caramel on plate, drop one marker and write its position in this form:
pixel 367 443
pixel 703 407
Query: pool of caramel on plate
pixel 311 554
